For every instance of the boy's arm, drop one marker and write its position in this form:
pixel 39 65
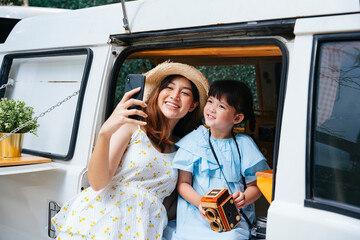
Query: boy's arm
pixel 186 191
pixel 250 195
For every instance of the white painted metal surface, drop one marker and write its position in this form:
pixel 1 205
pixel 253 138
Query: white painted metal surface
pixel 26 190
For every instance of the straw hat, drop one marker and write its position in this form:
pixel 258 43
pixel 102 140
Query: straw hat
pixel 156 75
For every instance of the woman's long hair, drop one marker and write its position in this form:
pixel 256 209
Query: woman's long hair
pixel 157 127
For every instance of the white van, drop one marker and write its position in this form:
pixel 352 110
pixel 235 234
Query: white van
pixel 301 58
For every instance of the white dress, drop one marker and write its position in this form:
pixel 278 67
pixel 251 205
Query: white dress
pixel 130 206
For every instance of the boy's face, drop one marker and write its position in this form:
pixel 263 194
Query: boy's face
pixel 219 115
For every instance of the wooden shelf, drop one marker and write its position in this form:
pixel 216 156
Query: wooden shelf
pixel 24 159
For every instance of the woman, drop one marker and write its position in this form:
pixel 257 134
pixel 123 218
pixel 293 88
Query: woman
pixel 130 171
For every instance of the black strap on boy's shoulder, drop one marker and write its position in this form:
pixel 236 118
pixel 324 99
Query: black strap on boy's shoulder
pixel 243 178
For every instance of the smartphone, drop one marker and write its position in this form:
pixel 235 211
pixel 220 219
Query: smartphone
pixel 133 81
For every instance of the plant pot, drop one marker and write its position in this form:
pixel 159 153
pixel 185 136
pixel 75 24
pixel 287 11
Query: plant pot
pixel 12 145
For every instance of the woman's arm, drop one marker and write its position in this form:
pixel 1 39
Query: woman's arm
pixel 250 195
pixel 112 141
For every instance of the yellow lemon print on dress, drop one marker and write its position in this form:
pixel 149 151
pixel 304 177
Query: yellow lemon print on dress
pixel 113 188
pixel 71 234
pixel 168 172
pixel 163 191
pixel 98 198
pixel 149 146
pixel 127 228
pixel 65 208
pixel 154 175
pixel 83 219
pixel 157 236
pixel 150 165
pixel 143 152
pixel 160 183
pixel 134 195
pixel 93 236
pixel 93 224
pixel 129 209
pixel 140 204
pixel 69 229
pixel 138 141
pixel 139 220
pixel 138 173
pixel 107 229
pixel 127 184
pixel 155 158
pixel 165 163
pixel 91 206
pixel 73 213
pixel 53 221
pixel 117 203
pixel 151 225
pixel 120 236
pixel 122 193
pixel 148 188
pixel 133 164
pixel 102 212
pixel 115 219
pixel 137 234
pixel 60 227
pixel 86 199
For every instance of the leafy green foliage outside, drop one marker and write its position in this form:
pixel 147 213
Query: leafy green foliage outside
pixel 243 73
pixel 65 4
pixel 14 113
pixel 11 2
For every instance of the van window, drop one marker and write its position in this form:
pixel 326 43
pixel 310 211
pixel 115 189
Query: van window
pixel 48 81
pixel 6 25
pixel 335 141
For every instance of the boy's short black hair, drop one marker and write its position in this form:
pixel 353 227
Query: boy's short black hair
pixel 237 95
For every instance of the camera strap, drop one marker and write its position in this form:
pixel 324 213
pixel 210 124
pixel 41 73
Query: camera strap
pixel 243 178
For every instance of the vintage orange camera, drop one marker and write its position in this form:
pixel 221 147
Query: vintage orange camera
pixel 220 210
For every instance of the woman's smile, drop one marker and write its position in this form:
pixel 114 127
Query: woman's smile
pixel 176 100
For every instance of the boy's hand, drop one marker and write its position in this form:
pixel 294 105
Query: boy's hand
pixel 239 199
pixel 202 212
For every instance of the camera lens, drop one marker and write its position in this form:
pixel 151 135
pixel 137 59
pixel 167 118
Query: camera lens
pixel 210 214
pixel 215 226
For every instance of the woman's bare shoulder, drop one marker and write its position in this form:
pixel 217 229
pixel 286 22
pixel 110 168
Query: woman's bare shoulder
pixel 125 131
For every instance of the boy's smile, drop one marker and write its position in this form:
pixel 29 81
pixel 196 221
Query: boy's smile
pixel 220 116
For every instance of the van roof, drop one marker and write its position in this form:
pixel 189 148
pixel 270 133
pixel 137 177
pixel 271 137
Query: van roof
pixel 93 26
pixel 20 12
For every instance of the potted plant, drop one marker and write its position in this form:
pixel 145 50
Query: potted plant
pixel 14 113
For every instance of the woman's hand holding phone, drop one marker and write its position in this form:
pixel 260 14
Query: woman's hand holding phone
pixel 121 113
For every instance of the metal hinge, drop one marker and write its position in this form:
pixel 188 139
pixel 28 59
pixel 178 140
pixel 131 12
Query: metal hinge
pixel 54 208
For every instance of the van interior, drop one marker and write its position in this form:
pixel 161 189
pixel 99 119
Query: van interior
pixel 259 66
